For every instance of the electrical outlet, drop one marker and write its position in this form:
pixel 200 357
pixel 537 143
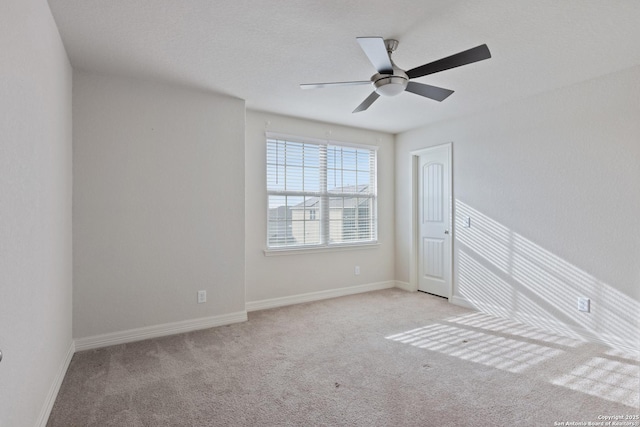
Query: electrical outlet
pixel 356 270
pixel 584 304
pixel 202 297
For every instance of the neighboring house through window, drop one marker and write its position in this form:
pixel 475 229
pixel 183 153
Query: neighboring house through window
pixel 320 193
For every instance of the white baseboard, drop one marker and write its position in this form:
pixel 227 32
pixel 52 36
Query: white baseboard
pixel 316 296
pixel 55 387
pixel 405 286
pixel 462 302
pixel 155 331
pixel 552 325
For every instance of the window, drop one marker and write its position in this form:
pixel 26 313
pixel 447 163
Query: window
pixel 320 193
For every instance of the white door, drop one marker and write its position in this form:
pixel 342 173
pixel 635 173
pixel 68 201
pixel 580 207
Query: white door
pixel 434 221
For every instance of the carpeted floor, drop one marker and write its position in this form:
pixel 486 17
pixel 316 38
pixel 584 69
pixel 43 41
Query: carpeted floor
pixel 384 358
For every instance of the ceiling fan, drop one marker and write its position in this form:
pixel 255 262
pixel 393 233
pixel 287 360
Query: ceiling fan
pixel 390 80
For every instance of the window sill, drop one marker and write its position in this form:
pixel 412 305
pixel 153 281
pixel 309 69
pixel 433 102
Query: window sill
pixel 318 249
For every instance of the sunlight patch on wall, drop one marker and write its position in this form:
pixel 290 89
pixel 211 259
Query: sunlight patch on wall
pixel 494 295
pixel 505 274
pixel 490 239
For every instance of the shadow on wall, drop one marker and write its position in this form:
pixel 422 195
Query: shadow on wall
pixel 502 273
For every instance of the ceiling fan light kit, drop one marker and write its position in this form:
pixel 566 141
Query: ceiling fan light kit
pixel 390 85
pixel 390 80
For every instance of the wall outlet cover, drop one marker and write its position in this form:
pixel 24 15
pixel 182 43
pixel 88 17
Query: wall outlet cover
pixel 202 297
pixel 584 304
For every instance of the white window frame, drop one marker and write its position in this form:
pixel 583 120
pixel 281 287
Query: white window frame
pixel 325 194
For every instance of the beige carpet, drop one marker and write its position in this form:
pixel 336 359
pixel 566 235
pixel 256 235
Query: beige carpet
pixel 385 358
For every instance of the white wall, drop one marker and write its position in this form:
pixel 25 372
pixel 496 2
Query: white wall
pixel 35 211
pixel 158 210
pixel 290 275
pixel 552 186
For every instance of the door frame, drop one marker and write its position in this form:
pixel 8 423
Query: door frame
pixel 413 255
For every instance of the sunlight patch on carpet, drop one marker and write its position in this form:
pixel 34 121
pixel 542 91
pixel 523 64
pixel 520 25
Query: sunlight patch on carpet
pixel 496 324
pixel 608 379
pixel 490 350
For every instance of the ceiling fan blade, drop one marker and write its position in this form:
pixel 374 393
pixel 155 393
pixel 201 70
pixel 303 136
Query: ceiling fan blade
pixel 428 91
pixel 377 53
pixel 321 85
pixel 367 102
pixel 475 54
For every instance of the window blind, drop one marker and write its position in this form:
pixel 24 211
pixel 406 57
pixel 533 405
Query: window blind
pixel 320 193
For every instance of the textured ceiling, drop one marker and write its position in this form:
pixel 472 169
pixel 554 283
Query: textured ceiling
pixel 260 50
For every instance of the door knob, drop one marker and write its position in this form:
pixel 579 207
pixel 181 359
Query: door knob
pixel 446 231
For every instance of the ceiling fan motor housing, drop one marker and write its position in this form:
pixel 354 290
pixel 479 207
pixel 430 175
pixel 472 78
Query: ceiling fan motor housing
pixel 390 84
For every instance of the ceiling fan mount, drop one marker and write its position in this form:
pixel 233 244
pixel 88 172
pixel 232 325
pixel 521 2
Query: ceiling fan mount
pixel 391 45
pixel 391 80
